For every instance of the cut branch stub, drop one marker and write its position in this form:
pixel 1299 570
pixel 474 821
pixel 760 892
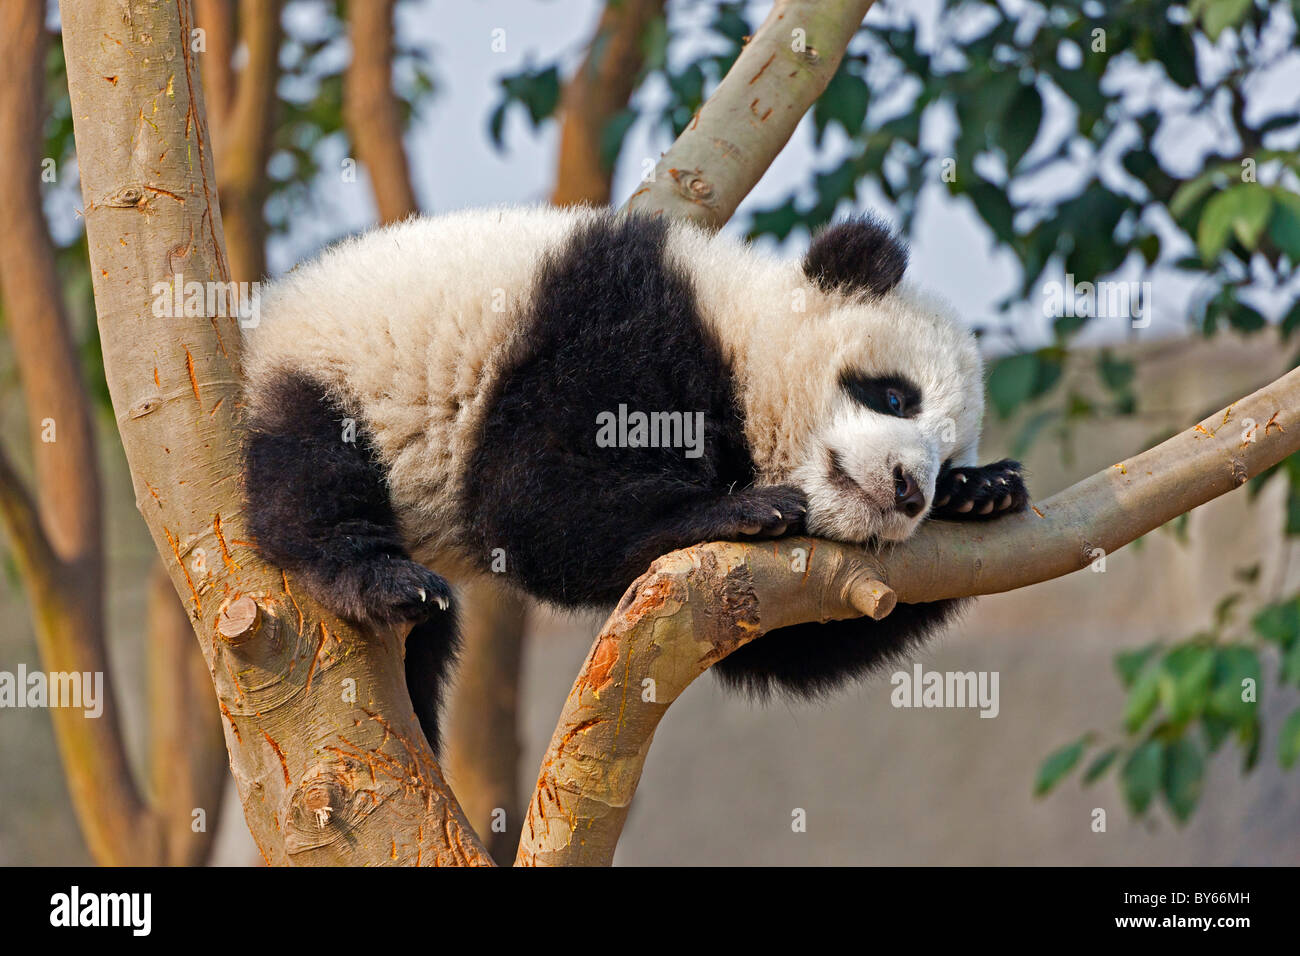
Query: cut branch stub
pixel 238 620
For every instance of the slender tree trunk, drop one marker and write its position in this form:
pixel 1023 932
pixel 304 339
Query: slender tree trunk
pixel 371 110
pixel 595 94
pixel 243 139
pixel 483 744
pixel 187 756
pixel 58 530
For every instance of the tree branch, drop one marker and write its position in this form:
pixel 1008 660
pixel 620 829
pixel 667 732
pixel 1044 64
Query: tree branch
pixel 750 117
pixel 697 605
pixel 187 755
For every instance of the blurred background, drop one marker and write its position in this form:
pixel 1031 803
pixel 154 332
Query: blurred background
pixel 1023 148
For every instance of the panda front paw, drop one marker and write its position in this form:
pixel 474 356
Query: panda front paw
pixel 980 493
pixel 386 590
pixel 767 512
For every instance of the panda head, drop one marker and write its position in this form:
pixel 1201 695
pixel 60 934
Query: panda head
pixel 879 387
pixel 902 394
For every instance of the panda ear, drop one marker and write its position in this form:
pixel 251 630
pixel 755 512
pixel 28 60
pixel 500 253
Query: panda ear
pixel 860 256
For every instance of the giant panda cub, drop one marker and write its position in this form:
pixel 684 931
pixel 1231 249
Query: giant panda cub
pixel 439 394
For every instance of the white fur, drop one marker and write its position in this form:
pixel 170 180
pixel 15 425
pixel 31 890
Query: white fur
pixel 410 324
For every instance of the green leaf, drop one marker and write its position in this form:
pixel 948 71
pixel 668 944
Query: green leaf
pixel 1290 672
pixel 1284 230
pixel 1058 764
pixel 1184 681
pixel 1129 664
pixel 497 122
pixel 1288 742
pixel 1011 381
pixel 1020 124
pixel 1184 773
pixel 1249 736
pixel 1245 319
pixel 1100 765
pixel 994 208
pixel 1116 374
pixel 779 221
pixel 1143 774
pixel 1279 623
pixel 1243 209
pixel 1233 665
pixel 1218 15
pixel 1142 700
pixel 1177 54
pixel 844 102
pixel 1255 205
pixel 611 137
pixel 654 44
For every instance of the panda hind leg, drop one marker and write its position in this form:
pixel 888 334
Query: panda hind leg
pixel 318 507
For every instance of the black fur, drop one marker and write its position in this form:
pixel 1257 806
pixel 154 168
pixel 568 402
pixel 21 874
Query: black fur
pixel 811 660
pixel 999 488
pixel 611 324
pixel 859 256
pixel 318 507
pixel 872 391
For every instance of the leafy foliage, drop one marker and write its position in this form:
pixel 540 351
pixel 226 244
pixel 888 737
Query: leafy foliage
pixel 1186 699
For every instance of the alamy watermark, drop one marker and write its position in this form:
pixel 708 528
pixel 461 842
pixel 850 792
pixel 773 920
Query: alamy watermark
pixel 625 429
pixel 74 908
pixel 922 688
pixel 55 689
pixel 236 300
pixel 1098 300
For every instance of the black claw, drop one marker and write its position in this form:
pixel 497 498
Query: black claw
pixel 980 493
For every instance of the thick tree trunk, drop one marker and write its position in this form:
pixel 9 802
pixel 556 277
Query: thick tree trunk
pixel 330 763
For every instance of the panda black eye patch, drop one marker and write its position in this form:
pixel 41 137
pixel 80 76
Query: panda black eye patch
pixel 886 394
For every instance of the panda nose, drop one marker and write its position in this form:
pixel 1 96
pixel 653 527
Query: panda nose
pixel 907 494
